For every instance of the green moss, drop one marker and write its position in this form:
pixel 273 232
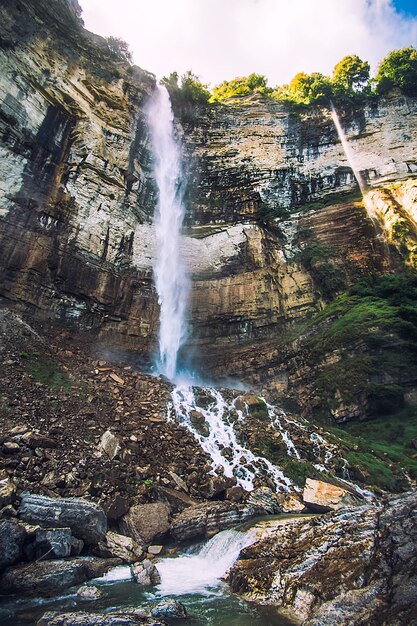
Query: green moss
pixel 298 471
pixel 49 373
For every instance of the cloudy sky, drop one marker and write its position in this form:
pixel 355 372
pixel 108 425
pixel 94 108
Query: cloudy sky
pixel 221 39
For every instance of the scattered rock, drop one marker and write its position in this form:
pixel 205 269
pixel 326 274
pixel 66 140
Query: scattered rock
pixel 291 504
pixel 126 618
pixel 12 537
pixel 117 379
pixel 7 492
pixel 36 440
pixel 146 574
pixel 90 592
pixel 110 444
pixel 146 522
pixel 52 543
pixel 321 497
pixel 10 447
pixel 86 520
pixel 169 609
pixel 155 550
pixel 120 546
pixel 117 507
pixel 45 578
pixel 235 494
pixel 176 499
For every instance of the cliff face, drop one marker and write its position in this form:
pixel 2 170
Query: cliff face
pixel 274 229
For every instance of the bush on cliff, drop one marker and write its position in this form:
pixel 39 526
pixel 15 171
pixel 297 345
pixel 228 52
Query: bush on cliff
pixel 398 69
pixel 241 86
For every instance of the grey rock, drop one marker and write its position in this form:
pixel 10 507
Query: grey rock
pixel 90 592
pixel 12 537
pixel 120 546
pixel 127 618
pixel 77 546
pixel 7 492
pixel 46 578
pixel 146 574
pixel 52 543
pixel 169 609
pixel 86 520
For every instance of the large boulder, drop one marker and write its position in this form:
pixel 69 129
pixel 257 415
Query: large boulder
pixel 146 522
pixel 204 520
pixel 86 520
pixel 350 567
pixel 130 618
pixel 322 497
pixel 47 578
pixel 169 608
pixel 12 537
pixel 52 543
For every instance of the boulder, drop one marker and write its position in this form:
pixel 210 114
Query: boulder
pixel 204 520
pixel 169 609
pixel 86 520
pixel 52 543
pixel 131 618
pixel 120 546
pixel 322 497
pixel 117 507
pixel 146 574
pixel 176 499
pixel 265 501
pixel 46 578
pixel 12 537
pixel 109 444
pixel 7 492
pixel 146 522
pixel 90 592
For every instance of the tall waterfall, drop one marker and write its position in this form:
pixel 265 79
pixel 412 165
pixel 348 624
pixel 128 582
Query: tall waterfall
pixel 170 276
pixel 348 150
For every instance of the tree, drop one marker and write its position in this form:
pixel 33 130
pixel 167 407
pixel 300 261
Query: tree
pixel 119 48
pixel 241 86
pixel 398 69
pixel 187 89
pixel 351 74
pixel 308 88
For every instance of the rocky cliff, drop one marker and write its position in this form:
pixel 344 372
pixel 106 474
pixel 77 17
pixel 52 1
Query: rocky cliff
pixel 275 225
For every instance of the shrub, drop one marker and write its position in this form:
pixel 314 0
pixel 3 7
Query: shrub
pixel 398 69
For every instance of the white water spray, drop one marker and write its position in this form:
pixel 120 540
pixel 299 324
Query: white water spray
pixel 348 150
pixel 201 572
pixel 171 279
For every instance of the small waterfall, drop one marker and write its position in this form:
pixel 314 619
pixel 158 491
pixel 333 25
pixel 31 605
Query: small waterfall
pixel 202 571
pixel 217 436
pixel 348 150
pixel 171 279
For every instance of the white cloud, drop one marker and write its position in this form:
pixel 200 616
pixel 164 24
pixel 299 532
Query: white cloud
pixel 221 39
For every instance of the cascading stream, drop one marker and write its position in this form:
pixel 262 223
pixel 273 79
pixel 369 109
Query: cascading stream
pixel 170 275
pixel 347 150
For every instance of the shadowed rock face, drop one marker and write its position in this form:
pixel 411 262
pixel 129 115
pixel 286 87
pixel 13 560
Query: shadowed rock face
pixel 350 567
pixel 77 199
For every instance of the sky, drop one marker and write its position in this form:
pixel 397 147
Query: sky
pixel 221 39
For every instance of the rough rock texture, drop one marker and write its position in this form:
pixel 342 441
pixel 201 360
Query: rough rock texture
pixel 47 578
pixel 52 543
pixel 321 497
pixel 115 545
pixel 146 522
pixel 86 520
pixel 350 567
pixel 97 619
pixel 170 609
pixel 146 574
pixel 12 537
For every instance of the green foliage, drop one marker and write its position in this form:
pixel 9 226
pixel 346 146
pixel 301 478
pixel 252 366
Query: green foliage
pixel 298 471
pixel 187 89
pixel 351 74
pixel 319 260
pixel 119 49
pixel 240 86
pixel 49 373
pixel 306 89
pixel 398 69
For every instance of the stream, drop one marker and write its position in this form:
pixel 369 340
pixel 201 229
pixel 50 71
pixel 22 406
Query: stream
pixel 194 577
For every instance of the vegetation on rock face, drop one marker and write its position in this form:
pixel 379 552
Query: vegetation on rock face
pixel 187 89
pixel 398 69
pixel 241 86
pixel 119 49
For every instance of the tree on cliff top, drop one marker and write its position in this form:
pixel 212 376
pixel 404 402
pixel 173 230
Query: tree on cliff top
pixel 398 69
pixel 351 74
pixel 240 86
pixel 119 48
pixel 188 88
pixel 306 89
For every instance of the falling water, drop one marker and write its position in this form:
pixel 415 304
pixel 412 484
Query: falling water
pixel 348 150
pixel 171 278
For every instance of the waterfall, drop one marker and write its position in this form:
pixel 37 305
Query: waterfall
pixel 348 150
pixel 198 572
pixel 170 276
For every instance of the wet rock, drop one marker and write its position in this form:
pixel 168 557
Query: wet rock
pixel 264 500
pixel 110 444
pixel 321 497
pixel 90 592
pixel 12 537
pixel 98 619
pixel 215 486
pixel 86 520
pixel 77 546
pixel 45 578
pixel 169 609
pixel 155 550
pixel 204 520
pixel 52 543
pixel 120 546
pixel 146 522
pixel 146 574
pixel 235 494
pixel 352 566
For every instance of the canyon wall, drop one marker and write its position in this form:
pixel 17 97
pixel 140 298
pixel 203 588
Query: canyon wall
pixel 265 184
